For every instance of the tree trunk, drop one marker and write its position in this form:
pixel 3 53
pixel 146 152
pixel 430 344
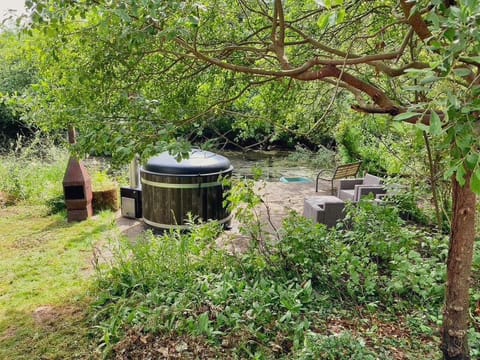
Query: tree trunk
pixel 459 268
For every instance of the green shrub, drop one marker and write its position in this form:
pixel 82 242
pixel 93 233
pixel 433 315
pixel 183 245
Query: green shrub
pixel 384 147
pixel 372 256
pixel 334 347
pixel 321 159
pixel 407 204
pixel 102 181
pixel 180 283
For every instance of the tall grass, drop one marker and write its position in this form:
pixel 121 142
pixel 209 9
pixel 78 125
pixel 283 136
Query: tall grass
pixel 32 171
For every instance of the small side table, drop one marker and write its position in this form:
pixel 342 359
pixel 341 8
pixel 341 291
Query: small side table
pixel 324 209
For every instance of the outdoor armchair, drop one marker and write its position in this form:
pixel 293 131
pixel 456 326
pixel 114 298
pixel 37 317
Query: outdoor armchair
pixel 340 172
pixel 355 189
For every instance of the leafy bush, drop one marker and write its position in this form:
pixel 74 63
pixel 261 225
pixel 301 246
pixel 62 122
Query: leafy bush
pixel 407 204
pixel 180 283
pixel 334 347
pixel 267 302
pixel 102 181
pixel 371 257
pixel 384 148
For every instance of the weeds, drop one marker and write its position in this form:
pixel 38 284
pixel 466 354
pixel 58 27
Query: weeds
pixel 282 301
pixel 331 347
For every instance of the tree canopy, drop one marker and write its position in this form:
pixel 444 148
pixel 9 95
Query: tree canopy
pixel 181 63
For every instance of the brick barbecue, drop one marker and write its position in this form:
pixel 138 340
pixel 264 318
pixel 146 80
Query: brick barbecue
pixel 77 188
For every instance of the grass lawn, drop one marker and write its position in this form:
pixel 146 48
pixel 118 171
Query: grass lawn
pixel 45 271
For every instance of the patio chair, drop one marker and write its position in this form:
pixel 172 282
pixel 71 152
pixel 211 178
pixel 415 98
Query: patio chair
pixel 340 172
pixel 324 209
pixel 355 189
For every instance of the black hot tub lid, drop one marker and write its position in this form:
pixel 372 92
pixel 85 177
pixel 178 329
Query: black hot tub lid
pixel 199 162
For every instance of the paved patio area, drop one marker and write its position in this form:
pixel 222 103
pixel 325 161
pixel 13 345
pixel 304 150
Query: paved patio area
pixel 279 198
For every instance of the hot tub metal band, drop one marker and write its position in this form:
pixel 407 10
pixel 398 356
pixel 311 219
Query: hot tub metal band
pixel 181 186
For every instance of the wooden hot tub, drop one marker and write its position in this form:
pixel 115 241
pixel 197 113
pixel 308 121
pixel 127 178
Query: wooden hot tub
pixel 171 189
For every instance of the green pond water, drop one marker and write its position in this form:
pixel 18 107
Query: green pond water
pixel 273 164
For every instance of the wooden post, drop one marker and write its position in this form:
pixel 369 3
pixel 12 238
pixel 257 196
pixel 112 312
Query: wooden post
pixel 72 135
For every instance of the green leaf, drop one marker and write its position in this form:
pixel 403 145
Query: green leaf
pixel 416 88
pixel 475 182
pixel 123 15
pixel 341 15
pixel 193 20
pixel 460 175
pixel 453 100
pixel 433 17
pixel 286 317
pixel 332 21
pixel 449 172
pixel 464 141
pixel 462 72
pixel 472 160
pixel 449 34
pixel 474 59
pixel 329 3
pixel 422 127
pixel 476 90
pixel 405 116
pixel 323 21
pixel 435 44
pixel 435 124
pixel 418 71
pixel 429 79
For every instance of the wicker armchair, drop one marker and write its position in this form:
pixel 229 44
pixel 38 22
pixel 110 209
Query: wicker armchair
pixel 355 189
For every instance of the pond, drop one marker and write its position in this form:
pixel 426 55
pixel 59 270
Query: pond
pixel 273 164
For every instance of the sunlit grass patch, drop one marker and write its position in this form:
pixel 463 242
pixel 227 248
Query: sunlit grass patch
pixel 45 273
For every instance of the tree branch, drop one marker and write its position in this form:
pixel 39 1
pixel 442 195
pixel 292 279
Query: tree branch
pixel 395 72
pixel 415 20
pixel 279 35
pixel 373 60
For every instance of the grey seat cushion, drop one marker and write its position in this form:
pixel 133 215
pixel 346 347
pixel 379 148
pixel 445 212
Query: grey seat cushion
pixel 346 194
pixel 372 180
